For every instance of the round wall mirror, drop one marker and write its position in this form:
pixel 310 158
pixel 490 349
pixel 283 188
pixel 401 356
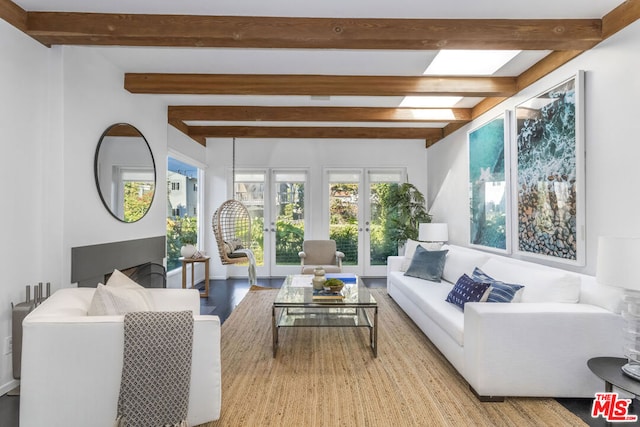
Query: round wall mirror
pixel 125 172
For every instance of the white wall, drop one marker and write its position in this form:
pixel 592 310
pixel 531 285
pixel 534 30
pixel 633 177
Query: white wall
pixel 94 99
pixel 55 104
pixel 26 71
pixel 612 93
pixel 314 154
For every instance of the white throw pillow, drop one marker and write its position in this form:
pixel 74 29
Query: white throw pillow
pixel 540 284
pixel 109 301
pixel 120 280
pixel 460 261
pixel 119 296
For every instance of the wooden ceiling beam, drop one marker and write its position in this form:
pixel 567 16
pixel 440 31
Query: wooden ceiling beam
pixel 543 67
pixel 620 17
pixel 314 132
pixel 13 14
pixel 623 15
pixel 179 124
pixel 74 28
pixel 318 114
pixel 323 85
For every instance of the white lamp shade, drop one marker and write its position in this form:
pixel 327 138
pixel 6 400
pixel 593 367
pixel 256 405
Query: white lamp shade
pixel 618 259
pixel 433 232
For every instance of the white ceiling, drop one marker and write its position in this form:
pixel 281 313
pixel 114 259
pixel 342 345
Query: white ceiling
pixel 312 61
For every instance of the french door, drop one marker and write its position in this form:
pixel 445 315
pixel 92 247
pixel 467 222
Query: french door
pixel 275 199
pixel 358 216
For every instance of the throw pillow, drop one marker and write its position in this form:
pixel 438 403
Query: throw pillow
pixel 466 290
pixel 110 300
pixel 120 280
pixel 500 291
pixel 542 284
pixel 410 249
pixel 119 296
pixel 427 265
pixel 462 261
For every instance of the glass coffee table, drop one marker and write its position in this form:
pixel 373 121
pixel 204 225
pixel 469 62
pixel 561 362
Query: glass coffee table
pixel 295 306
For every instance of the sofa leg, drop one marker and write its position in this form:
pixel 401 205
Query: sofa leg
pixel 487 398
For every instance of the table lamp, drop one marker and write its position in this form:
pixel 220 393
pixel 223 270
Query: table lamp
pixel 433 232
pixel 618 259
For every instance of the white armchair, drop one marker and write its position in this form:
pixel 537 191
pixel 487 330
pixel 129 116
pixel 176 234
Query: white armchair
pixel 72 362
pixel 320 253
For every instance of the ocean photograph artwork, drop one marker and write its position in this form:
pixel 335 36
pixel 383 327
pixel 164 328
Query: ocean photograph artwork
pixel 546 173
pixel 487 185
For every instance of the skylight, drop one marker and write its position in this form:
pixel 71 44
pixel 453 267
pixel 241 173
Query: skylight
pixel 430 101
pixel 469 62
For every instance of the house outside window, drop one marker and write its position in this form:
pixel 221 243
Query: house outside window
pixel 182 209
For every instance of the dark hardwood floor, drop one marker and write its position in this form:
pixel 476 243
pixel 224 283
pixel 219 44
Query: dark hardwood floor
pixel 225 295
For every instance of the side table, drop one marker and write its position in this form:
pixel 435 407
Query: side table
pixel 193 261
pixel 609 369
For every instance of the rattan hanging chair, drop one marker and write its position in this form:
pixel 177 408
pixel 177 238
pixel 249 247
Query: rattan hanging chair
pixel 232 229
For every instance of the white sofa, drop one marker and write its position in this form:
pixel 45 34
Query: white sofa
pixel 536 347
pixel 72 362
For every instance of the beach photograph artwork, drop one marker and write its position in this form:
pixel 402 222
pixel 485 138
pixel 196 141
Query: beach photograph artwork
pixel 488 185
pixel 547 173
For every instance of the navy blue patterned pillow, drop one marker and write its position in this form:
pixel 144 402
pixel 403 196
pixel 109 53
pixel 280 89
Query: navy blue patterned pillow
pixel 466 290
pixel 500 291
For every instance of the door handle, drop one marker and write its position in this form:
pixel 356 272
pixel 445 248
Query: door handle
pixel 273 230
pixel 266 229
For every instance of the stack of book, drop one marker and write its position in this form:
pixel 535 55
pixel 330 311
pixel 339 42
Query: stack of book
pixel 327 295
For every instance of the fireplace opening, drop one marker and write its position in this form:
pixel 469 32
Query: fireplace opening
pixel 148 275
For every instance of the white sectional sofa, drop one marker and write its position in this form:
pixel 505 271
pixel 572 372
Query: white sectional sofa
pixel 536 347
pixel 72 362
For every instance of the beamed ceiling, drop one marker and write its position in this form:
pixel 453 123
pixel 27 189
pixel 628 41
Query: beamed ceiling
pixel 303 98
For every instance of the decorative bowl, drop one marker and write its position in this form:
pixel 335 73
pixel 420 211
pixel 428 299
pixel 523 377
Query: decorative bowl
pixel 333 285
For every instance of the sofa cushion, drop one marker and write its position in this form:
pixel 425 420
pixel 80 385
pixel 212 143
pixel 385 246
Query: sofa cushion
pixel 499 291
pixel 540 284
pixel 430 298
pixel 607 297
pixel 427 265
pixel 410 249
pixel 461 261
pixel 466 290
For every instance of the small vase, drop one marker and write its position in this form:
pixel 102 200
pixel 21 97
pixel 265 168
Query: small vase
pixel 318 278
pixel 187 251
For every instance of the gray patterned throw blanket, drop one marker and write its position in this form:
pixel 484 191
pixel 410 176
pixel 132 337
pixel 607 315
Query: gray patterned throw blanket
pixel 156 373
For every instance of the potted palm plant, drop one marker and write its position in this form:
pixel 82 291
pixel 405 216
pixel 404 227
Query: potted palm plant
pixel 409 212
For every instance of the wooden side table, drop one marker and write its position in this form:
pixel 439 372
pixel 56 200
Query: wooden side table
pixel 193 261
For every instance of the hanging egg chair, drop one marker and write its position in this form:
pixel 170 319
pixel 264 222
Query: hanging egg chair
pixel 231 224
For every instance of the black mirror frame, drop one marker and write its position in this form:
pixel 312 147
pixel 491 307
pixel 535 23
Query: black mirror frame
pixel 97 180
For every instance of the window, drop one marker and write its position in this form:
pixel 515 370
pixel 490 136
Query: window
pixel 182 209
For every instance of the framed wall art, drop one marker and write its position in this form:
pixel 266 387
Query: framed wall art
pixel 489 185
pixel 549 166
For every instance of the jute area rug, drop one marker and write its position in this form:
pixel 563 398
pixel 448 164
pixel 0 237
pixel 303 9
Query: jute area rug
pixel 328 377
